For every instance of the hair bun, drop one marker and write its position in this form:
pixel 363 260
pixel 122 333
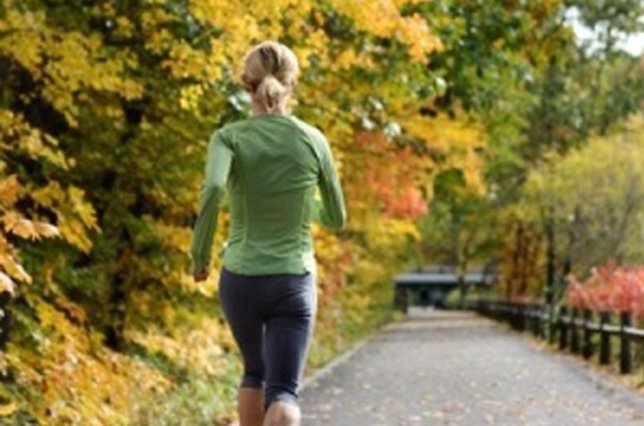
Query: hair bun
pixel 270 92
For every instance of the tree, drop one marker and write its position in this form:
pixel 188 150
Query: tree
pixel 596 195
pixel 106 110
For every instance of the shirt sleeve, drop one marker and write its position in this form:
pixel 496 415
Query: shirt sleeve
pixel 331 211
pixel 218 163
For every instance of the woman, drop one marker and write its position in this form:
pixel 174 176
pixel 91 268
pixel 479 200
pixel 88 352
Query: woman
pixel 272 164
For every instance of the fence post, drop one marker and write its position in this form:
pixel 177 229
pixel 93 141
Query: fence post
pixel 527 315
pixel 401 299
pixel 604 339
pixel 551 324
pixel 574 338
pixel 536 319
pixel 517 316
pixel 563 328
pixel 587 349
pixel 625 353
pixel 524 315
pixel 544 320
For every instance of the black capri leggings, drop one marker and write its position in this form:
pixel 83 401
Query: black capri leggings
pixel 272 319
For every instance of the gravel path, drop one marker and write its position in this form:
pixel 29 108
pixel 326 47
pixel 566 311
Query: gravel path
pixel 457 368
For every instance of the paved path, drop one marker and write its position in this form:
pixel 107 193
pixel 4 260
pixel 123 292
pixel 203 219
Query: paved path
pixel 456 368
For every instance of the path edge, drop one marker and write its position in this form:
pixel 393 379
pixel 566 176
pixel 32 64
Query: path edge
pixel 340 359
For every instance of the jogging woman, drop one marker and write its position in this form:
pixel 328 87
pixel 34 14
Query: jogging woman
pixel 272 164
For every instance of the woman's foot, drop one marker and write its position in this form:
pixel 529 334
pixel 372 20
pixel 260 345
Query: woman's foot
pixel 281 413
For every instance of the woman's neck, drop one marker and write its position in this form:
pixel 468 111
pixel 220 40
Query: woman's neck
pixel 258 109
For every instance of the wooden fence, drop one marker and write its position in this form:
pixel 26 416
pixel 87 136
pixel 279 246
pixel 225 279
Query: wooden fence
pixel 571 329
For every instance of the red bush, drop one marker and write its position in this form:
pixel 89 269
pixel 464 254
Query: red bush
pixel 609 288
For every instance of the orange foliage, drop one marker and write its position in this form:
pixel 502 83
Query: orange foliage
pixel 392 175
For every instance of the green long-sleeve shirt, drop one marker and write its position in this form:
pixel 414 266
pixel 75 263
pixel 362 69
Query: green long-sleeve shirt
pixel 271 165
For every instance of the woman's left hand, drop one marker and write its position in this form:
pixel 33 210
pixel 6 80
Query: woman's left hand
pixel 201 275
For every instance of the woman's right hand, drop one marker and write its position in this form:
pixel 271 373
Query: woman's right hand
pixel 200 275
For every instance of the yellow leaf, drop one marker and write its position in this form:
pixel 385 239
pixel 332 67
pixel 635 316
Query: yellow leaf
pixel 10 219
pixel 74 310
pixel 49 195
pixel 7 409
pixel 6 284
pixel 73 231
pixel 14 269
pixel 82 208
pixel 9 190
pixel 46 229
pixel 25 228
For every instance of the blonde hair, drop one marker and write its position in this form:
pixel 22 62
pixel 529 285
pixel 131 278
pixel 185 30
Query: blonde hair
pixel 270 70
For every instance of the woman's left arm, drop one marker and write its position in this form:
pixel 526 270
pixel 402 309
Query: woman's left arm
pixel 213 189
